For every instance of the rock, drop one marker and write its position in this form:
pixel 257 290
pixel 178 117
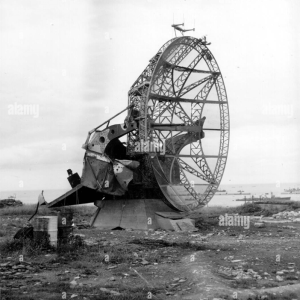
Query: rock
pixel 292 277
pixel 243 276
pixel 279 273
pixel 174 284
pixel 73 283
pixel 169 293
pixel 79 234
pixel 291 264
pixel 235 261
pixel 279 278
pixel 144 262
pixel 21 267
pixel 110 291
pixel 4 264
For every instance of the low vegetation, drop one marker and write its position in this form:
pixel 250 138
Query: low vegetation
pixel 29 209
pixel 110 260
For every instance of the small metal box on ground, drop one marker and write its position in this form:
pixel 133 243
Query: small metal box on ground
pixel 65 228
pixel 46 225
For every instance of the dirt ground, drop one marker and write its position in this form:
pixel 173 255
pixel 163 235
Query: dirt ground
pixel 215 263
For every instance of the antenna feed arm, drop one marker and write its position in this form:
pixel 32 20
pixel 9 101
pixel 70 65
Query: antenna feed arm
pixel 85 145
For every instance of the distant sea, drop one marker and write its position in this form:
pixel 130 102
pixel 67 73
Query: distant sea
pixel 31 196
pixel 254 189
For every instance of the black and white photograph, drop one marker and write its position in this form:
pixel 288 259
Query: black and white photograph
pixel 149 150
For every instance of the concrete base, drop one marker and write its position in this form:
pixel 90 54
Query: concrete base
pixel 136 214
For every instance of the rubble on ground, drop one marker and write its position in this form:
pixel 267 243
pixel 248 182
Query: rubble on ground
pixel 239 273
pixel 281 217
pixel 290 215
pixel 16 270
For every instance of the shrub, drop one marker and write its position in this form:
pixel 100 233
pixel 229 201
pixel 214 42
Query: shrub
pixel 249 208
pixel 10 246
pixel 31 247
pixel 71 244
pixel 37 245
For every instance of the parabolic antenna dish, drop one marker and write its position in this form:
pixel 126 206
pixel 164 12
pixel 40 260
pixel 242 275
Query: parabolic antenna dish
pixel 183 108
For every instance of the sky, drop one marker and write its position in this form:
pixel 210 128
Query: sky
pixel 71 64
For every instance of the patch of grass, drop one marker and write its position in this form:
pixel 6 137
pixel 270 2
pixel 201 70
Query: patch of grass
pixel 116 254
pixel 71 250
pixel 218 210
pixel 246 209
pixel 83 210
pixel 29 209
pixel 249 208
pixel 295 205
pixel 119 254
pixel 255 209
pixel 26 209
pixel 28 247
pixel 127 292
pixel 54 291
pixel 71 245
pixel 37 246
pixel 155 244
pixel 78 210
pixel 9 246
pixel 207 222
pixel 245 283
